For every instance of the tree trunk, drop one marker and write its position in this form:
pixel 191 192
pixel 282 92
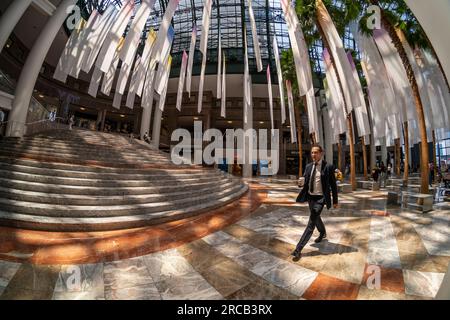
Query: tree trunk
pixel 299 141
pixel 418 101
pixel 397 157
pixel 406 166
pixel 434 157
pixel 352 153
pixel 364 149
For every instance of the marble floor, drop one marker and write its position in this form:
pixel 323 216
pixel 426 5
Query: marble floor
pixel 372 252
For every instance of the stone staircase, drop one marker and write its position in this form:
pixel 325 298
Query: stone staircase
pixel 88 181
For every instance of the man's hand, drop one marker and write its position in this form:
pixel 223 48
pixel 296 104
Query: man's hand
pixel 336 206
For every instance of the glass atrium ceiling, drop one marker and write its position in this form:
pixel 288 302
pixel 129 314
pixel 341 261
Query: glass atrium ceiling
pixel 230 16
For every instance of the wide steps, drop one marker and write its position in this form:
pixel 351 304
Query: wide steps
pixel 83 180
pixel 46 223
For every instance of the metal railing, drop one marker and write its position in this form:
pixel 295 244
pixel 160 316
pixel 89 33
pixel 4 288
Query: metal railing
pixel 26 129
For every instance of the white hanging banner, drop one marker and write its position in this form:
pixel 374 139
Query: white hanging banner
pixel 423 91
pixel 181 80
pixel 397 73
pixel 117 100
pixel 361 115
pixel 335 99
pixel 81 50
pixel 109 76
pixel 62 68
pixel 219 67
pixel 269 88
pixel 293 26
pixel 343 67
pixel 276 54
pixel 98 36
pixel 165 81
pixel 165 53
pixel 161 39
pixel 256 46
pixel 145 61
pixel 95 82
pixel 332 117
pixel 191 59
pixel 380 92
pixel 140 70
pixel 206 22
pixel 224 88
pixel 132 89
pixel 247 81
pixel 148 92
pixel 291 112
pixel 128 52
pixel 438 90
pixel 106 55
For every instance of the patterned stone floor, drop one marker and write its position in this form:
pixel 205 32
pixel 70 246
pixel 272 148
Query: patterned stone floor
pixel 372 252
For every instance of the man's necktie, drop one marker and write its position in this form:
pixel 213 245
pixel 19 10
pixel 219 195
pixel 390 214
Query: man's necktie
pixel 312 179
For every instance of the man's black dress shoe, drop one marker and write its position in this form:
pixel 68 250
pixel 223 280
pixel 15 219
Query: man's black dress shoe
pixel 297 255
pixel 320 238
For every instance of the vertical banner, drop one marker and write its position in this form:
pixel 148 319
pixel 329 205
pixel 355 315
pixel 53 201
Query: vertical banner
pixel 224 89
pixel 247 81
pixel 181 80
pixel 109 75
pixel 269 88
pixel 148 91
pixel 117 100
pixel 343 67
pixel 276 54
pixel 191 59
pixel 95 82
pixel 293 28
pixel 362 118
pixel 145 61
pixel 331 112
pixel 98 36
pixel 106 55
pixel 132 89
pixel 165 81
pixel 291 112
pixel 62 68
pixel 219 67
pixel 397 74
pixel 132 40
pixel 206 21
pixel 335 99
pixel 163 30
pixel 256 46
pixel 140 70
pixel 81 50
pixel 381 95
pixel 165 53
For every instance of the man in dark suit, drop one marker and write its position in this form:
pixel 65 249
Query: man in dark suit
pixel 319 181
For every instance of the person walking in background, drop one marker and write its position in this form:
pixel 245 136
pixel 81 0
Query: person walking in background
pixel 382 175
pixel 71 121
pixel 319 183
pixel 431 173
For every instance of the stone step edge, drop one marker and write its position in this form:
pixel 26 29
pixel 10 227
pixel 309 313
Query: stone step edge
pixel 23 221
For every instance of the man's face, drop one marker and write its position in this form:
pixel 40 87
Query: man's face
pixel 316 154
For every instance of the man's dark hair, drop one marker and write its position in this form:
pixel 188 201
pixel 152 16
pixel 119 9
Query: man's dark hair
pixel 317 146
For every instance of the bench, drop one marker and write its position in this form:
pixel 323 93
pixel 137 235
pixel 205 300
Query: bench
pixel 344 188
pixel 369 185
pixel 393 198
pixel 417 201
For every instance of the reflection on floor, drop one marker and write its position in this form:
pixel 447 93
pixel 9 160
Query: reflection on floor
pixel 251 259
